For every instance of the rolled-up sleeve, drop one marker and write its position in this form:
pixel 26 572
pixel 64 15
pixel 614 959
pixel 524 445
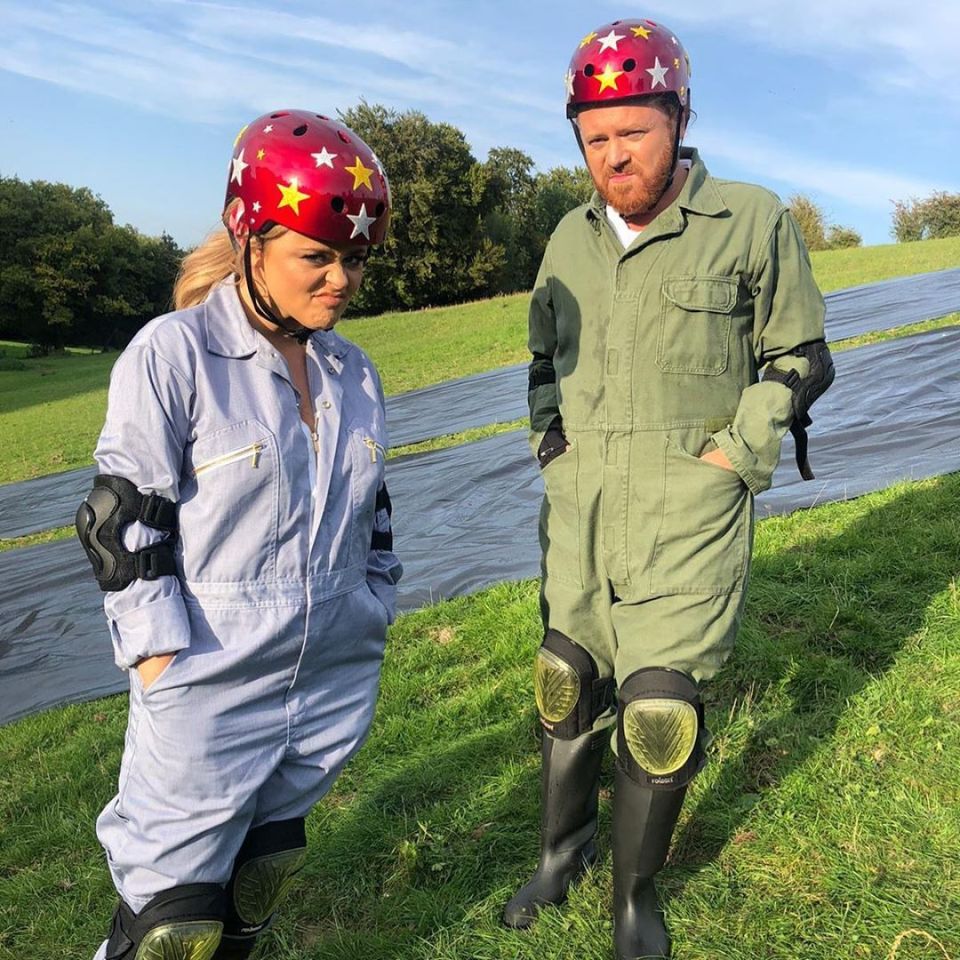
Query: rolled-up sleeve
pixel 143 438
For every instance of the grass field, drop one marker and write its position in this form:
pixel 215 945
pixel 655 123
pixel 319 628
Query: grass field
pixel 826 825
pixel 52 411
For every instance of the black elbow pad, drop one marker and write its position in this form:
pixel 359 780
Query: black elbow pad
pixel 112 504
pixel 806 391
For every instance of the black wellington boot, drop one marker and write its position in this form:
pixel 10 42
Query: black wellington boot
pixel 235 948
pixel 570 788
pixel 643 822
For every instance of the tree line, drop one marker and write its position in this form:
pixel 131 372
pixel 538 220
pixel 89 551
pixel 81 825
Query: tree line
pixel 461 229
pixel 69 274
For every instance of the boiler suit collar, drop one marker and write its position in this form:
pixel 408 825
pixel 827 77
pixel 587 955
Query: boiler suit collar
pixel 698 195
pixel 229 334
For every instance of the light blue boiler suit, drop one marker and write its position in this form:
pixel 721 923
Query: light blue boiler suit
pixel 281 604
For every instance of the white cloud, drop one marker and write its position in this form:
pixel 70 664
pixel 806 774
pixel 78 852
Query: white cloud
pixel 204 60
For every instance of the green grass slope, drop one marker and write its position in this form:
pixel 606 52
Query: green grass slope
pixel 826 825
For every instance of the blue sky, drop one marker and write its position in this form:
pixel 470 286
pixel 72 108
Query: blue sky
pixel 853 103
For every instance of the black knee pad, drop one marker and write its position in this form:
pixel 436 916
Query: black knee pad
pixel 182 921
pixel 660 728
pixel 268 861
pixel 569 693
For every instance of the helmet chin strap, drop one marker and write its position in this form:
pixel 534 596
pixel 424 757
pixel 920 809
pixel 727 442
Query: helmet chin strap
pixel 296 332
pixel 668 183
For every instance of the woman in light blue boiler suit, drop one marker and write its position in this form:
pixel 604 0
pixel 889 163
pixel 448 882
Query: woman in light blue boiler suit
pixel 241 528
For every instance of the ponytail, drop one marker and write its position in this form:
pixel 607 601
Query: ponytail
pixel 204 267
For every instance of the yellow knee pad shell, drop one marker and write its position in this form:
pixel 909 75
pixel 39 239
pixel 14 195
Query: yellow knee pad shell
pixel 182 922
pixel 660 728
pixel 267 864
pixel 569 693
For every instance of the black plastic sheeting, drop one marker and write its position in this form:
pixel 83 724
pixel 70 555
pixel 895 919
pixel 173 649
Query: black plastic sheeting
pixel 500 396
pixel 466 517
pixel 873 307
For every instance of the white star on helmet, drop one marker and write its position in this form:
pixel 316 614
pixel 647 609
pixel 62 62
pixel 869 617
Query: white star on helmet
pixel 361 222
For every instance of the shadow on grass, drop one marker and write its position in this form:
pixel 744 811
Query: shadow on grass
pixel 435 822
pixel 825 618
pixel 418 862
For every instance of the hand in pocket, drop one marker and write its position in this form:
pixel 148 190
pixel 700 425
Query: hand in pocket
pixel 151 667
pixel 718 458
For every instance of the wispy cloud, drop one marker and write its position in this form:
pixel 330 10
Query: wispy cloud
pixel 863 186
pixel 885 45
pixel 203 61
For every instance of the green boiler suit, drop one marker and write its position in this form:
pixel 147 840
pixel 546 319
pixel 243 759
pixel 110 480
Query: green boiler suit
pixel 649 356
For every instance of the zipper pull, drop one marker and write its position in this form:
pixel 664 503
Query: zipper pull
pixel 316 441
pixel 255 459
pixel 372 446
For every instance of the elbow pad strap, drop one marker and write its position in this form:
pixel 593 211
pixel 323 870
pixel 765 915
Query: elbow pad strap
pixel 806 390
pixel 382 536
pixel 112 504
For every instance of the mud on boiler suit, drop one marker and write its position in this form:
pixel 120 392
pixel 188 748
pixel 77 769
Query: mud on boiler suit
pixel 649 356
pixel 280 606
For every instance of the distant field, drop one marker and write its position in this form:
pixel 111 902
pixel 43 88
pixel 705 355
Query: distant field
pixel 52 410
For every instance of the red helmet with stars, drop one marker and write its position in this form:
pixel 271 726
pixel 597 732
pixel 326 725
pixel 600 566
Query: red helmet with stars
pixel 626 59
pixel 307 172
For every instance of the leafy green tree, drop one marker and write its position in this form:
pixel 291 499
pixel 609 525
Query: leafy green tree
pixel 509 198
pixel 68 274
pixel 557 192
pixel 434 253
pixel 811 220
pixel 840 237
pixel 935 217
pixel 816 232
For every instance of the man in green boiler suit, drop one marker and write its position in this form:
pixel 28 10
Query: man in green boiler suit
pixel 677 334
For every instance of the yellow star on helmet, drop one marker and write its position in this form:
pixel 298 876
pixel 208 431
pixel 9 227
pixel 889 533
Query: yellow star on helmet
pixel 361 174
pixel 587 39
pixel 608 78
pixel 292 196
pixel 641 32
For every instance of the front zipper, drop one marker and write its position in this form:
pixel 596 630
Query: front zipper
pixel 252 450
pixel 373 447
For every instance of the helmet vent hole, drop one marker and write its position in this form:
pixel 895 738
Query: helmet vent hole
pixel 300 131
pixel 277 116
pixel 629 65
pixel 343 136
pixel 337 204
pixel 589 70
pixel 380 208
pixel 320 116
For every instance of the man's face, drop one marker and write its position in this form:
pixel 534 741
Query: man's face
pixel 629 153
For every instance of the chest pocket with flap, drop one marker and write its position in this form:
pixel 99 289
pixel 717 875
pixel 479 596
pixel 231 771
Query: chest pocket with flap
pixel 695 324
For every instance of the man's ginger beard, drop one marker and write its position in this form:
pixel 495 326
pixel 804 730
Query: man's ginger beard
pixel 641 193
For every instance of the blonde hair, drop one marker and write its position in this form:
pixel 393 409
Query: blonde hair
pixel 216 259
pixel 204 267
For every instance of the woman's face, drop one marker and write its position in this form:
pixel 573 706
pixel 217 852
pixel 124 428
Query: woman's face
pixel 308 280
